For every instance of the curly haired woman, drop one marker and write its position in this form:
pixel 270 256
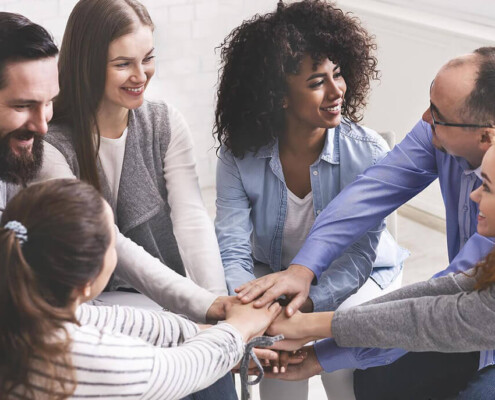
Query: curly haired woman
pixel 292 87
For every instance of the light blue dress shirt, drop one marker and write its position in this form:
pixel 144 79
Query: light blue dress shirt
pixel 252 206
pixel 409 168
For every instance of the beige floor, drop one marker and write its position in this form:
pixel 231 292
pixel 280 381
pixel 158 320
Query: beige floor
pixel 428 255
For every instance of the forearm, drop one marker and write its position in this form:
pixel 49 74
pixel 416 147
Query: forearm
pixel 450 284
pixel 332 357
pixel 159 328
pixel 346 274
pixel 198 362
pixel 405 171
pixel 447 323
pixel 193 227
pixel 155 280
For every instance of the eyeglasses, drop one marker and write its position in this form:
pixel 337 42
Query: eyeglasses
pixel 435 122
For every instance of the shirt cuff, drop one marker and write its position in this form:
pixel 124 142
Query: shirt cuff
pixel 332 357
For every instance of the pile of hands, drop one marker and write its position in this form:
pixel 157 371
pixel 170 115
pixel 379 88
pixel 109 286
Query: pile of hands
pixel 255 312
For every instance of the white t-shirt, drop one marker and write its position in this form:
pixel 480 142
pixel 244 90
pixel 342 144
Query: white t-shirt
pixel 298 222
pixel 112 158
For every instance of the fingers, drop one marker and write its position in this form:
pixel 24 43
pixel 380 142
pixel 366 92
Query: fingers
pixel 269 295
pixel 295 304
pixel 251 290
pixel 297 357
pixel 266 354
pixel 283 361
pixel 275 309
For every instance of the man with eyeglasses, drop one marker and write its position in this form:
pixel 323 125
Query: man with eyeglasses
pixel 448 143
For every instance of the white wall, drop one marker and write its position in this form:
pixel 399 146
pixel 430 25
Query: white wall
pixel 187 32
pixel 412 45
pixel 415 37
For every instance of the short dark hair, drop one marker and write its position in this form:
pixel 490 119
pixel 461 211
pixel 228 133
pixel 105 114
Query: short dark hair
pixel 258 55
pixel 480 104
pixel 21 39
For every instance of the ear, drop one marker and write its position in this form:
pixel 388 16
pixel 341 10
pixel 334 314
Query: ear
pixel 87 290
pixel 83 293
pixel 487 138
pixel 285 103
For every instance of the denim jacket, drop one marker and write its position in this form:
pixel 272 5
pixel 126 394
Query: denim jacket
pixel 252 206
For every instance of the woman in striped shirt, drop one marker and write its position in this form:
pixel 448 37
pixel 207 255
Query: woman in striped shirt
pixel 57 252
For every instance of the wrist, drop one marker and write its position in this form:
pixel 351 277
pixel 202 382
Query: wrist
pixel 318 325
pixel 302 271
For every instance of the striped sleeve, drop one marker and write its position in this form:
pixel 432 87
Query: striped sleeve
pixel 195 365
pixel 116 366
pixel 158 328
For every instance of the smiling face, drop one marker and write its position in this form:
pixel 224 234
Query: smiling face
pixel 129 69
pixel 449 91
pixel 25 110
pixel 315 95
pixel 485 195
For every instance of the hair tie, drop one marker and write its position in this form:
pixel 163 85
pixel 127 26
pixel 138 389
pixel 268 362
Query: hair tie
pixel 19 230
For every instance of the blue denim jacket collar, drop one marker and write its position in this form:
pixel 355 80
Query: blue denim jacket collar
pixel 330 152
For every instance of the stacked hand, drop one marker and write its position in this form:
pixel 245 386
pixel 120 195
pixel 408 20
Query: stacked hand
pixel 254 312
pixel 293 282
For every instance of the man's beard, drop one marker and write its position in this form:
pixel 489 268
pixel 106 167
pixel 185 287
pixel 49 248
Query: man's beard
pixel 20 168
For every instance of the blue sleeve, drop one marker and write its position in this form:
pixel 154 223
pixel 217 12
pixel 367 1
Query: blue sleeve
pixel 408 169
pixel 346 274
pixel 233 224
pixel 332 357
pixel 475 249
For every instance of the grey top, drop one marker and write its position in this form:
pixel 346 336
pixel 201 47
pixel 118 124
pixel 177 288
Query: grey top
pixel 444 314
pixel 142 211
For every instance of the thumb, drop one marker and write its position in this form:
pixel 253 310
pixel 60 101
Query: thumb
pixel 295 304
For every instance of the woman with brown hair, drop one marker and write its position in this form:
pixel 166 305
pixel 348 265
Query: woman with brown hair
pixel 57 251
pixel 139 155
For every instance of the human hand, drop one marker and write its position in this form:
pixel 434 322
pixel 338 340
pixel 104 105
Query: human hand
pixel 293 282
pixel 265 356
pixel 309 367
pixel 286 358
pixel 216 312
pixel 251 321
pixel 302 326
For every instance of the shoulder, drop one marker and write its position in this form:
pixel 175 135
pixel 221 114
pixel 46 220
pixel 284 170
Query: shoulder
pixel 362 134
pixel 59 132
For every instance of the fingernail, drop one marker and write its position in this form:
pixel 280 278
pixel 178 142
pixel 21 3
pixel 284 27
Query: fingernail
pixel 275 370
pixel 282 370
pixel 289 311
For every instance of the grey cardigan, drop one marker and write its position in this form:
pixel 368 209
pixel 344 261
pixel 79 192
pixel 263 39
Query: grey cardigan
pixel 444 314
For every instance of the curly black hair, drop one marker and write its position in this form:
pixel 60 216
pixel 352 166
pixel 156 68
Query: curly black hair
pixel 257 56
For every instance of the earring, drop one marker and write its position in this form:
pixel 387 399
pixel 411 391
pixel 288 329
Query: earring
pixel 87 291
pixel 284 106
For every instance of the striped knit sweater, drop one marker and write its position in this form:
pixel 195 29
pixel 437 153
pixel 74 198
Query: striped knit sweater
pixel 127 353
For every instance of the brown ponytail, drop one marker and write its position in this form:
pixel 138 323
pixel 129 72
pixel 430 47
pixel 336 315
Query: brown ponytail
pixel 65 249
